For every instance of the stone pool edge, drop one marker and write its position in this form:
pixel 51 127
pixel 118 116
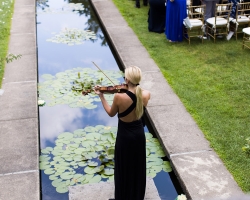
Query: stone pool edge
pixel 19 132
pixel 198 168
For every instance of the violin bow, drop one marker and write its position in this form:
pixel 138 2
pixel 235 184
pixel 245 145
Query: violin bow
pixel 103 72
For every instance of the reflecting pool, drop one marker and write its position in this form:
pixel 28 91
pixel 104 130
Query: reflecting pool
pixel 69 39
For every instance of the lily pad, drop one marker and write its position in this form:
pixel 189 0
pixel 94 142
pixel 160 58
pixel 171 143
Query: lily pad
pixel 49 171
pixel 72 36
pixel 66 175
pixel 56 182
pixel 44 165
pixel 89 170
pixel 87 156
pixel 66 87
pixel 92 164
pixel 166 166
pixel 53 177
pixel 108 172
pixel 95 179
pixel 63 188
pixel 87 178
pixel 44 158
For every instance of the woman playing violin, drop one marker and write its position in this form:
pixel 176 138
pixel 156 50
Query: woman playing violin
pixel 130 147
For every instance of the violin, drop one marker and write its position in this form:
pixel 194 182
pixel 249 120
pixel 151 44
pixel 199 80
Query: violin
pixel 109 89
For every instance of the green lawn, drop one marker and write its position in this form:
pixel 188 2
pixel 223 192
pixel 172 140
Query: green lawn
pixel 6 10
pixel 213 82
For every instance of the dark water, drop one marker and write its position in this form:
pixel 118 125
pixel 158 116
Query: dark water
pixel 58 57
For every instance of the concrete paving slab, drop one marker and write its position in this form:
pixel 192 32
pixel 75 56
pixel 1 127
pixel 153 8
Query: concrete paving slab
pixel 144 64
pixel 123 38
pixel 19 101
pixel 21 25
pixel 22 44
pixel 205 177
pixel 114 22
pixel 25 3
pixel 24 186
pixel 106 9
pixel 23 69
pixel 24 11
pixel 161 92
pixel 105 191
pixel 136 55
pixel 19 145
pixel 177 130
pixel 135 52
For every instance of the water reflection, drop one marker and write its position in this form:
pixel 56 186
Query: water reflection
pixel 91 23
pixel 61 118
pixel 166 191
pixel 49 192
pixel 42 4
pixel 59 57
pixel 55 57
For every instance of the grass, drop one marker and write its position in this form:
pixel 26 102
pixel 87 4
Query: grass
pixel 213 82
pixel 6 10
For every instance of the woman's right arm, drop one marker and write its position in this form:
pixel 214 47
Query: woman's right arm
pixel 111 110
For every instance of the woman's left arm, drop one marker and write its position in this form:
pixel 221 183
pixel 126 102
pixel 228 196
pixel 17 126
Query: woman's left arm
pixel 145 97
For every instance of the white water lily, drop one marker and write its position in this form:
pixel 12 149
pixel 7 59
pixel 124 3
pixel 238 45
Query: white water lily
pixel 1 91
pixel 181 197
pixel 41 102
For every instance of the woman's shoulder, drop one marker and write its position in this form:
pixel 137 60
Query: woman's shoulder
pixel 146 94
pixel 119 96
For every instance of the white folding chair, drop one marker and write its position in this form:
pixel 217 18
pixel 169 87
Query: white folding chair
pixel 246 38
pixel 193 25
pixel 242 18
pixel 219 25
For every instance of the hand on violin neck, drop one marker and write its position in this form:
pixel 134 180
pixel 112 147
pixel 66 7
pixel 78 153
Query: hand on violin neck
pixel 97 91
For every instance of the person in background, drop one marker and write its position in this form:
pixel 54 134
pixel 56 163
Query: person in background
pixel 137 3
pixel 196 3
pixel 210 8
pixel 234 7
pixel 130 146
pixel 157 16
pixel 176 12
pixel 246 1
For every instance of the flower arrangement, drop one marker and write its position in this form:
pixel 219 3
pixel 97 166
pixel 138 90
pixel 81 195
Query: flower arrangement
pixel 181 197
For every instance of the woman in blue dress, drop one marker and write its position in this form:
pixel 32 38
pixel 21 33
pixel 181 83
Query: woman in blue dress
pixel 175 14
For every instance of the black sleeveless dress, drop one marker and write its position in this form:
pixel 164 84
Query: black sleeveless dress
pixel 130 157
pixel 157 16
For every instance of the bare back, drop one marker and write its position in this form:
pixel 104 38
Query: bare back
pixel 124 102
